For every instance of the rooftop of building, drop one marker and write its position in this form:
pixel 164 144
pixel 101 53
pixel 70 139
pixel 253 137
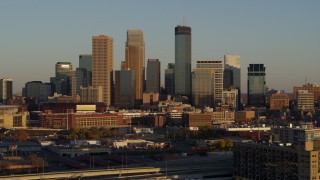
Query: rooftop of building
pixel 8 106
pixel 275 144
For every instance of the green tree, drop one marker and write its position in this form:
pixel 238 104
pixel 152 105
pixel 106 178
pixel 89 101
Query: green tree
pixel 75 133
pixel 93 133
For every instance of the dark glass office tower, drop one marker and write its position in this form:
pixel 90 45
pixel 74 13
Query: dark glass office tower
pixel 169 79
pixel 153 76
pixel 256 85
pixel 232 75
pixel 85 62
pixel 5 90
pixel 182 71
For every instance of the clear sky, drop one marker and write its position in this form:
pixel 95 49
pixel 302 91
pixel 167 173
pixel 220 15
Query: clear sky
pixel 284 35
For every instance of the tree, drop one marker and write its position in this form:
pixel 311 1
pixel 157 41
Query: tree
pixel 222 144
pixel 93 133
pixel 208 132
pixel 37 161
pixel 75 133
pixel 19 135
pixel 229 144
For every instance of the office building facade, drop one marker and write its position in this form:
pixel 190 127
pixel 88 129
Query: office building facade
pixel 232 70
pixel 134 60
pixel 13 117
pixel 310 87
pixel 279 101
pixel 203 87
pixel 85 62
pixel 90 94
pixel 125 88
pixel 64 81
pixel 6 90
pixel 38 90
pixel 102 65
pixel 230 98
pixel 169 79
pixel 207 87
pixel 153 76
pixel 256 85
pixel 182 71
pixel 305 101
pixel 63 70
pixel 291 153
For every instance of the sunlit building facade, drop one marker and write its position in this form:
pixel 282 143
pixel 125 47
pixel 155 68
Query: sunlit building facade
pixel 134 60
pixel 102 65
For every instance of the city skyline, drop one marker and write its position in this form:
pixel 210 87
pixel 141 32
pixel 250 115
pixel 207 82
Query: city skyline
pixel 281 35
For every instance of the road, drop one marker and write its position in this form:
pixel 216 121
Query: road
pixel 193 167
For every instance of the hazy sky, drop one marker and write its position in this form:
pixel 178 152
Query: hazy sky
pixel 284 35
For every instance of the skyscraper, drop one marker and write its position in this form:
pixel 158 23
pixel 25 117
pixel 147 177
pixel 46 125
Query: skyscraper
pixel 65 81
pixel 232 71
pixel 305 101
pixel 232 75
pixel 85 62
pixel 102 65
pixel 182 60
pixel 153 76
pixel 256 84
pixel 82 78
pixel 63 70
pixel 169 79
pixel 134 60
pixel 38 90
pixel 5 90
pixel 207 83
pixel 203 87
pixel 124 88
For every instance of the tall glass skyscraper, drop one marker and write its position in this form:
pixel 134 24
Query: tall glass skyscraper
pixel 65 81
pixel 169 79
pixel 85 61
pixel 63 70
pixel 153 76
pixel 232 75
pixel 203 87
pixel 85 64
pixel 232 72
pixel 256 85
pixel 182 71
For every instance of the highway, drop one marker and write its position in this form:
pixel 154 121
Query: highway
pixel 193 167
